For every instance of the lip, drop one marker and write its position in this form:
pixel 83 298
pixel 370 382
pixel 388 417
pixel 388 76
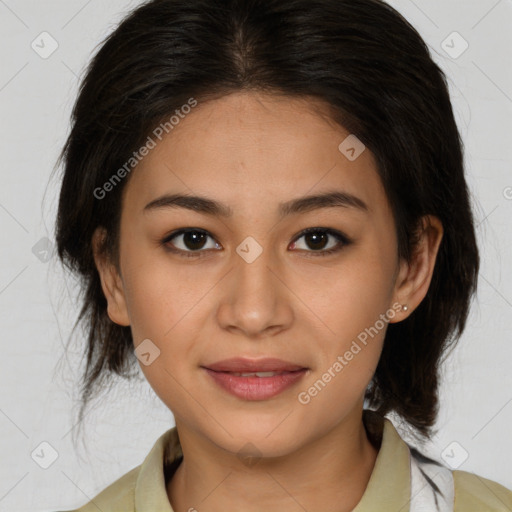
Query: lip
pixel 242 364
pixel 255 388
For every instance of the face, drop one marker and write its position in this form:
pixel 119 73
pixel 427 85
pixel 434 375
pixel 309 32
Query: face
pixel 252 284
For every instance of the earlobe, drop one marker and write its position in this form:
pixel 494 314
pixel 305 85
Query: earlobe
pixel 414 277
pixel 111 282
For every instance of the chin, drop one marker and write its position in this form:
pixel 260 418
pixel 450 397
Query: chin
pixel 260 437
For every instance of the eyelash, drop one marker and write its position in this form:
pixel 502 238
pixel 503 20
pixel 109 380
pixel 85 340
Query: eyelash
pixel 340 237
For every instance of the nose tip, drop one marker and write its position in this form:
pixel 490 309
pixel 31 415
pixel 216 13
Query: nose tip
pixel 254 301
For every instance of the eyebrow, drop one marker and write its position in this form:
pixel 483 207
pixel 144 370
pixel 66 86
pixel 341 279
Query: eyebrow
pixel 305 204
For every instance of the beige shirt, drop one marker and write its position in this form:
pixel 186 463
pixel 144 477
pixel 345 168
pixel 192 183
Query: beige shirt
pixel 143 489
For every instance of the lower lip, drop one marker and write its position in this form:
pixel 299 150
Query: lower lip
pixel 255 388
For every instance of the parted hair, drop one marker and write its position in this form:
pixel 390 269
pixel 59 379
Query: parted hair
pixel 375 74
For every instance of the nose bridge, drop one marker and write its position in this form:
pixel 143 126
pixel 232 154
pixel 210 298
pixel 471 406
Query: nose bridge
pixel 254 300
pixel 253 264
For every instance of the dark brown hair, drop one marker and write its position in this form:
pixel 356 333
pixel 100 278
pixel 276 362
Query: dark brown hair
pixel 374 72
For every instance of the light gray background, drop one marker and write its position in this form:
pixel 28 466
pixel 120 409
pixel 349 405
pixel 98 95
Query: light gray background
pixel 39 384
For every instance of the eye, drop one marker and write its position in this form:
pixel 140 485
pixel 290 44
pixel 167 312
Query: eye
pixel 316 238
pixel 189 242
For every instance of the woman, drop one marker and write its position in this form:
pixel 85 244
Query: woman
pixel 266 203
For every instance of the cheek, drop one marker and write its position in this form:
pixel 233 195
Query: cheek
pixel 355 294
pixel 355 307
pixel 158 293
pixel 161 309
pixel 150 305
pixel 164 301
pixel 346 361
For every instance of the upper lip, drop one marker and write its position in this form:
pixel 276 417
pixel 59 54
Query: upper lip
pixel 242 364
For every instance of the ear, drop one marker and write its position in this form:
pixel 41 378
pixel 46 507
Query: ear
pixel 111 281
pixel 414 277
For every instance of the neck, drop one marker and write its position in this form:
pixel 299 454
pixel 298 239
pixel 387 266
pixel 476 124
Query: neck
pixel 211 479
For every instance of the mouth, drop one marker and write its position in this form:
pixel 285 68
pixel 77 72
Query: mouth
pixel 255 379
pixel 257 374
pixel 247 365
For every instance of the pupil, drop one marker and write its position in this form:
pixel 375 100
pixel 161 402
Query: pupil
pixel 194 240
pixel 316 237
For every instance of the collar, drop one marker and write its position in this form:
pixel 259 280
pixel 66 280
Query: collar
pixel 390 482
pixel 388 487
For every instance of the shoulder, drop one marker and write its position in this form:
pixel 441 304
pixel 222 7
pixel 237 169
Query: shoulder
pixel 456 490
pixel 473 492
pixel 143 487
pixel 119 495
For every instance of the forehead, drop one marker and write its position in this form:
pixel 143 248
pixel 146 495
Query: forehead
pixel 249 150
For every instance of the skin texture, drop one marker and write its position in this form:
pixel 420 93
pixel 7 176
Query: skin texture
pixel 253 151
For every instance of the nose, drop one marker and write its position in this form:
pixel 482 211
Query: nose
pixel 255 300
